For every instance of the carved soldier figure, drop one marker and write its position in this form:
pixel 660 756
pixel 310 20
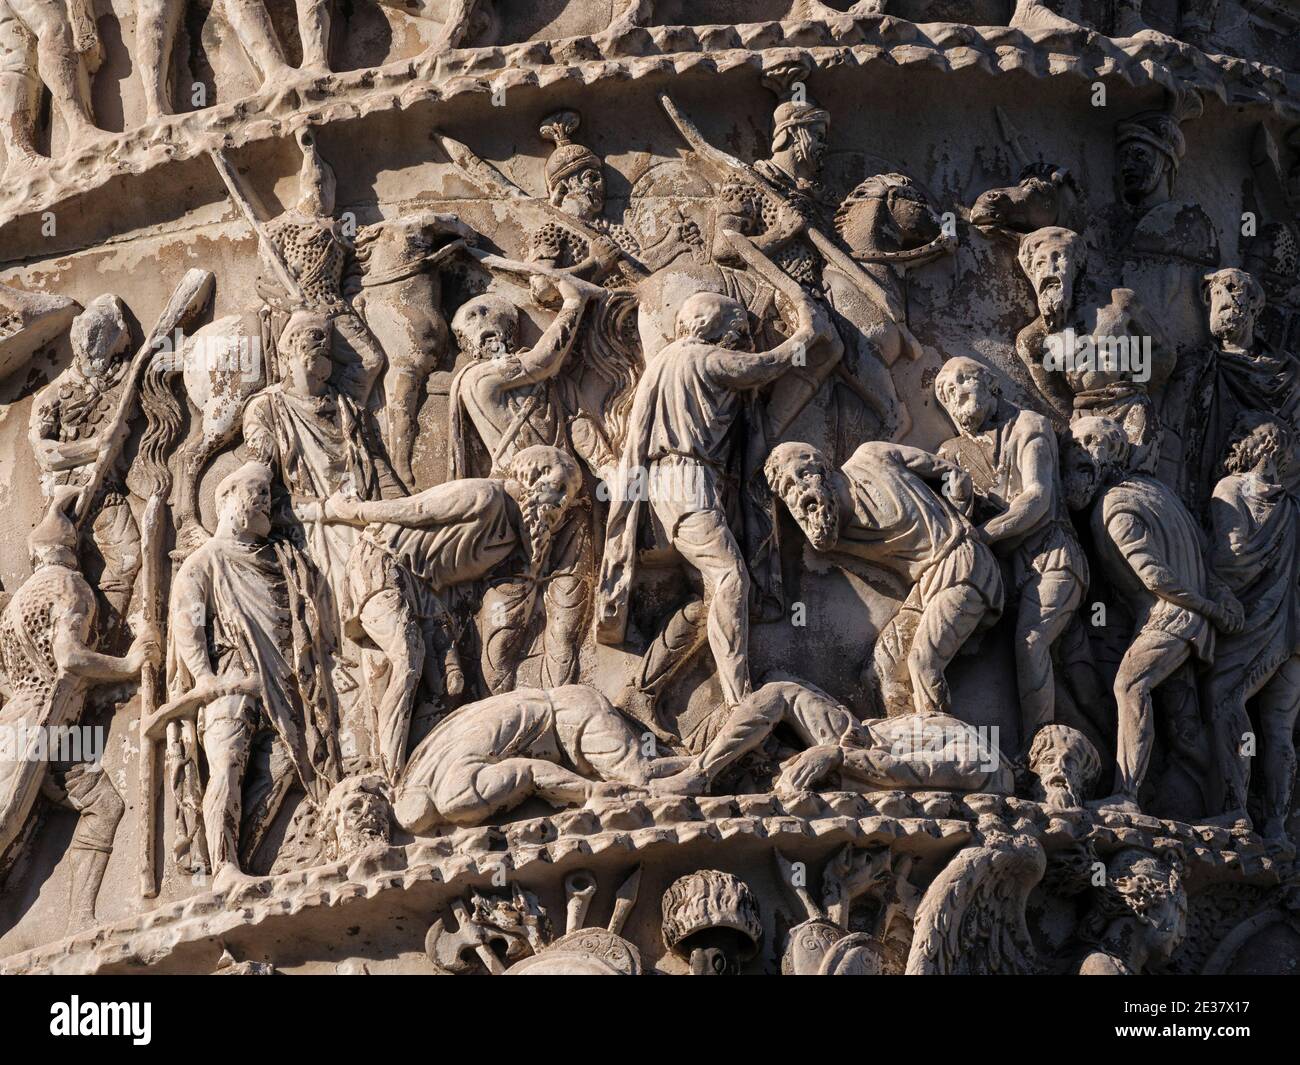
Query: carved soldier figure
pixel 1241 375
pixel 799 134
pixel 1011 457
pixel 419 546
pixel 679 446
pixel 1098 360
pixel 575 183
pixel 879 508
pixel 1150 549
pixel 1255 551
pixel 506 400
pixel 68 423
pixel 488 757
pixel 317 252
pixel 319 441
pixel 938 751
pixel 52 43
pixel 47 665
pixel 246 654
pixel 1162 245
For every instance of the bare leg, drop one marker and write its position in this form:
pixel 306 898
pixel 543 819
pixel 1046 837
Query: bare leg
pixel 1278 704
pixel 156 22
pixel 706 542
pixel 314 19
pixel 256 34
pixel 20 93
pixel 101 808
pixel 947 622
pixel 673 649
pixel 386 619
pixel 1151 658
pixel 60 67
pixel 816 718
pixel 1046 604
pixel 888 667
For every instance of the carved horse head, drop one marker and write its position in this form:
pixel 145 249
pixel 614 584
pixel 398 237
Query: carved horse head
pixel 889 219
pixel 1045 195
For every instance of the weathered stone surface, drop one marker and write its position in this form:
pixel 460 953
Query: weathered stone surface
pixel 591 487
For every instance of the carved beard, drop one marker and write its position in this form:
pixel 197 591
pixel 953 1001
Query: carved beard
pixel 1053 301
pixel 1228 326
pixel 491 346
pixel 542 515
pixel 1059 790
pixel 359 832
pixel 817 511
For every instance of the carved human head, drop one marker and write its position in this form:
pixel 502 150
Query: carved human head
pixel 969 392
pixel 1064 766
pixel 1143 903
pixel 887 212
pixel 1260 444
pixel 711 919
pixel 799 133
pixel 1235 300
pixel 714 319
pixel 304 350
pixel 100 336
pixel 244 502
pixel 1052 259
pixel 486 326
pixel 803 478
pixel 1095 450
pixel 317 184
pixel 575 177
pixel 53 542
pixel 355 817
pixel 549 481
pixel 1148 149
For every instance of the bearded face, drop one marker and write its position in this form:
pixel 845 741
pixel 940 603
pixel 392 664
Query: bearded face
pixel 1052 269
pixel 486 332
pixel 1059 777
pixel 969 401
pixel 814 506
pixel 360 821
pixel 733 331
pixel 1232 321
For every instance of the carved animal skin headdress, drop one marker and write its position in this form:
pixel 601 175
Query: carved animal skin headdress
pixel 568 157
pixel 795 113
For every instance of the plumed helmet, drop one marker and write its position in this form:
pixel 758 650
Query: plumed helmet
pixel 567 157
